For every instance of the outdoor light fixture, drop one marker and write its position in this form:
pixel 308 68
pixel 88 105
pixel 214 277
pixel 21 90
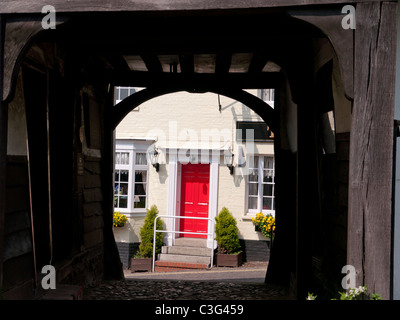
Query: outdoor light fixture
pixel 153 155
pixel 228 155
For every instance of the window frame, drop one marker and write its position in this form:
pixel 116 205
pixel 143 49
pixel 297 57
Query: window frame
pixel 260 186
pixel 127 167
pixel 133 148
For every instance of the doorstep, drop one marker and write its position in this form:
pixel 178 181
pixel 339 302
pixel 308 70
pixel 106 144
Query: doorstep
pixel 166 266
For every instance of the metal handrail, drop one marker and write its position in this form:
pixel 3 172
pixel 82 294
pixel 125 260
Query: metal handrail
pixel 184 232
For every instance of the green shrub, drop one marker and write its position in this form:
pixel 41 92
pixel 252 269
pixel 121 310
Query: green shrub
pixel 227 233
pixel 147 234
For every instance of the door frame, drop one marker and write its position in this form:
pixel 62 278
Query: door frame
pixel 174 195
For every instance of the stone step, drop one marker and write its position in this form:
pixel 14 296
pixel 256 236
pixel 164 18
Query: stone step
pixel 167 266
pixel 191 251
pixel 191 242
pixel 184 258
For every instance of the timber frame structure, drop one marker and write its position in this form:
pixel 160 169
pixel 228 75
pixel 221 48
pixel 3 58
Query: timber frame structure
pixel 56 164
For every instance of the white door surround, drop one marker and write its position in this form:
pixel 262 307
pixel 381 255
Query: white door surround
pixel 174 180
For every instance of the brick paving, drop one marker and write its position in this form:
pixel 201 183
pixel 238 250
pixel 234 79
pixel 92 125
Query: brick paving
pixel 216 284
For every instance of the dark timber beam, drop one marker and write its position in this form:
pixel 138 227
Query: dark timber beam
pixel 197 80
pixel 3 149
pixel 35 6
pixel 187 63
pixel 152 63
pixel 329 21
pixel 371 147
pixel 223 63
pixel 257 63
pixel 112 263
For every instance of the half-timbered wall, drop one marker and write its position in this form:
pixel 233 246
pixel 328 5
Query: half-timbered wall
pixel 64 164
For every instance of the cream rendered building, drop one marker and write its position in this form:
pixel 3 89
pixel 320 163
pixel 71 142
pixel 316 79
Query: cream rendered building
pixel 193 131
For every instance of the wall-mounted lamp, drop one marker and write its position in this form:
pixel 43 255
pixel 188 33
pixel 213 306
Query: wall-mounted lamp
pixel 153 155
pixel 228 159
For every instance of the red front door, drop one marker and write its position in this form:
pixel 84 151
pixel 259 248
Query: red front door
pixel 194 198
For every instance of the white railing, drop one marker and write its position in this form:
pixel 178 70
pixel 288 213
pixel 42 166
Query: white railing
pixel 183 232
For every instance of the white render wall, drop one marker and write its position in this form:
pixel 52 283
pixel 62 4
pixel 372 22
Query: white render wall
pixel 184 120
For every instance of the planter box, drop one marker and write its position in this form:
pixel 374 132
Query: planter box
pixel 229 260
pixel 141 264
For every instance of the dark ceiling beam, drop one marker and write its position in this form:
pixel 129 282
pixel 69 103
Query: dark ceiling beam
pixel 187 63
pixel 196 81
pixel 118 62
pixel 257 63
pixel 223 62
pixel 152 63
pixel 35 6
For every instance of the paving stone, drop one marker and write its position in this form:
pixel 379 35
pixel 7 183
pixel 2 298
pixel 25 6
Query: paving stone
pixel 168 288
pixel 162 290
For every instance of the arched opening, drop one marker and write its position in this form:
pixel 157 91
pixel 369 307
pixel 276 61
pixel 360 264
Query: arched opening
pixel 206 126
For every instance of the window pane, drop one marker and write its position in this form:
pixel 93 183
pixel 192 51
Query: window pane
pixel 268 163
pixel 249 130
pixel 140 176
pixel 253 176
pixel 268 176
pixel 255 162
pixel 123 202
pixel 267 203
pixel 253 203
pixel 116 188
pixel 123 93
pixel 125 158
pixel 123 188
pixel 122 158
pixel 140 189
pixel 124 175
pixel 268 188
pixel 141 159
pixel 253 189
pixel 139 202
pixel 116 177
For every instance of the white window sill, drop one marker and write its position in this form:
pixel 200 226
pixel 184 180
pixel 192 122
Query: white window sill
pixel 132 214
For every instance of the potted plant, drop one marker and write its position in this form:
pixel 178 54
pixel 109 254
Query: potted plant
pixel 229 251
pixel 119 220
pixel 265 224
pixel 142 260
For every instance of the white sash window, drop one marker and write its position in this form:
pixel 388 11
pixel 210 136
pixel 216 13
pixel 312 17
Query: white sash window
pixel 130 179
pixel 261 185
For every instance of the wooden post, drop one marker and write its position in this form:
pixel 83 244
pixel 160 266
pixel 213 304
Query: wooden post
pixel 371 146
pixel 3 149
pixel 307 196
pixel 112 262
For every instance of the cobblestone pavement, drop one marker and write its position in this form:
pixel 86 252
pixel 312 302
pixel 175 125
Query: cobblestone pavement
pixel 216 284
